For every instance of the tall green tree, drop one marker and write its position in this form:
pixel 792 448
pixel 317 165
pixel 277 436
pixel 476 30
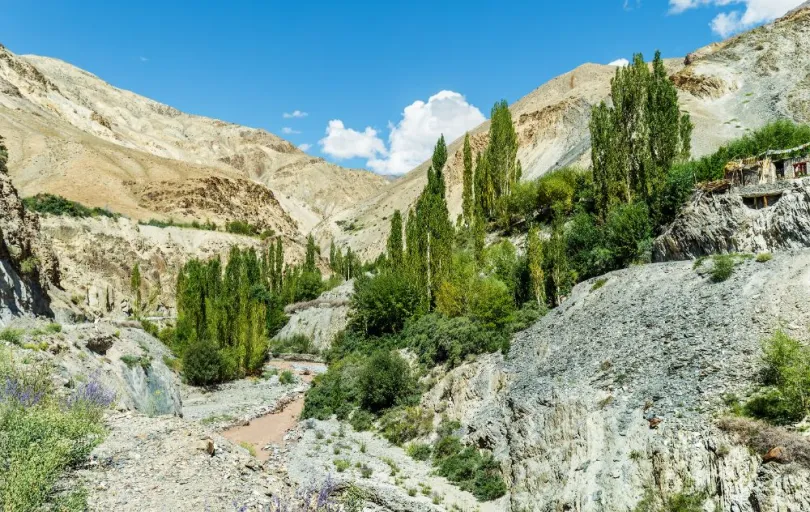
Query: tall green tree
pixel 430 233
pixel 309 261
pixel 502 149
pixel 395 245
pixel 637 139
pixel 534 254
pixel 467 196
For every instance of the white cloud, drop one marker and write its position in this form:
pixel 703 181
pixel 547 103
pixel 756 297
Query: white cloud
pixel 294 114
pixel 411 140
pixel 341 142
pixel 143 59
pixel 289 131
pixel 304 147
pixel 620 63
pixel 733 21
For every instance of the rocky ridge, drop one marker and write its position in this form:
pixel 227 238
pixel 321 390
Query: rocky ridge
pixel 724 223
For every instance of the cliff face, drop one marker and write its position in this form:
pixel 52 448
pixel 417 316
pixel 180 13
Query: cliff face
pixel 28 268
pixel 570 410
pixel 729 223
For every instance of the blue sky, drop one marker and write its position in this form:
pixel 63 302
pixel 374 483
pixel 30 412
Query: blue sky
pixel 359 63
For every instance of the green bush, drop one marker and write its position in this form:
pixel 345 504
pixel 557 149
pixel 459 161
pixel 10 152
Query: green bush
pixel 785 397
pixel 10 335
pixel 335 392
pixel 342 465
pixel 383 303
pixel 474 472
pixel 239 227
pixel 361 420
pixel 385 381
pixel 133 361
pixel 43 436
pixel 629 230
pixel 58 205
pixel 438 339
pixel 402 425
pixel 722 267
pixel 202 364
pixel 491 303
pixel 764 257
pixel 296 344
pixel 419 451
pixel 286 377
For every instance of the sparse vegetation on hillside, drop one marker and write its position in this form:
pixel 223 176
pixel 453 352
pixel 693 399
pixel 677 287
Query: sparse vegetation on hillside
pixel 57 205
pixel 206 226
pixel 44 435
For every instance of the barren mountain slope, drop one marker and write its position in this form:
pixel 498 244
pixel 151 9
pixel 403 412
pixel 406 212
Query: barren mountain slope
pixel 728 88
pixel 72 133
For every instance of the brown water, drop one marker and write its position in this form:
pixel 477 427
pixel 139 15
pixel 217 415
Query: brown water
pixel 271 428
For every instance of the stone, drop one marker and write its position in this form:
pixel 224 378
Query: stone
pixel 776 454
pixel 100 344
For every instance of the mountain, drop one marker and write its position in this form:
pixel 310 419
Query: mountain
pixel 70 133
pixel 729 88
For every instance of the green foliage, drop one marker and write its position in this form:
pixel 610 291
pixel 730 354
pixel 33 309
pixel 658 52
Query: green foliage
pixel 286 377
pixel 419 451
pixel 361 420
pixel 249 447
pixel 133 361
pixel 342 465
pixel 438 339
pixel 467 197
pixel 474 472
pixel 764 257
pixel 11 335
pixel 404 424
pixel 385 381
pixel 335 392
pixel 58 205
pixel 29 265
pixel 202 364
pixel 296 344
pixel 381 304
pixel 599 283
pixel 42 437
pixel 205 226
pixel 722 267
pixel 785 396
pixel 395 243
pixel 637 139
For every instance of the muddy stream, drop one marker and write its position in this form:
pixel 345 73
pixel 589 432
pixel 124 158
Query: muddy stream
pixel 271 428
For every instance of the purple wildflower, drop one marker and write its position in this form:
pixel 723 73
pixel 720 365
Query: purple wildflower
pixel 93 394
pixel 17 391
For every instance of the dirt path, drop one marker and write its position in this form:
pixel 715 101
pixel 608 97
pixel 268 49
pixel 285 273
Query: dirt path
pixel 271 428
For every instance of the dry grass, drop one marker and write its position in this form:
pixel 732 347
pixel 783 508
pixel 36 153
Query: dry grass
pixel 762 437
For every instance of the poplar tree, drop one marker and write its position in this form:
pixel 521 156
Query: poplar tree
pixel 468 198
pixel 637 139
pixel 309 261
pixel 502 150
pixel 394 245
pixel 534 255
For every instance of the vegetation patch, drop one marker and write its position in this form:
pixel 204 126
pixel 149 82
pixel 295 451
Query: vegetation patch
pixel 297 344
pixel 762 437
pixel 171 223
pixel 57 205
pixel 44 436
pixel 764 257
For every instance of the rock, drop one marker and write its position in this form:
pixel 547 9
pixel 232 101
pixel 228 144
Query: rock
pixel 207 446
pixel 720 223
pixel 776 454
pixel 100 344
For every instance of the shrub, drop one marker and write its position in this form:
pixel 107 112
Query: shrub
pixel 629 230
pixel 402 425
pixel 599 283
pixel 297 344
pixel 385 381
pixel 133 361
pixel 474 472
pixel 239 227
pixel 53 328
pixel 335 392
pixel 764 257
pixel 491 303
pixel 249 447
pixel 286 377
pixel 722 267
pixel 365 471
pixel 43 436
pixel 29 265
pixel 438 339
pixel 342 465
pixel 362 420
pixel 383 303
pixel 202 364
pixel 10 335
pixel 785 397
pixel 58 205
pixel 419 451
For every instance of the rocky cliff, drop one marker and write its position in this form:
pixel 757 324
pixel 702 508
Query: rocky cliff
pixel 321 319
pixel 728 222
pixel 28 268
pixel 615 396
